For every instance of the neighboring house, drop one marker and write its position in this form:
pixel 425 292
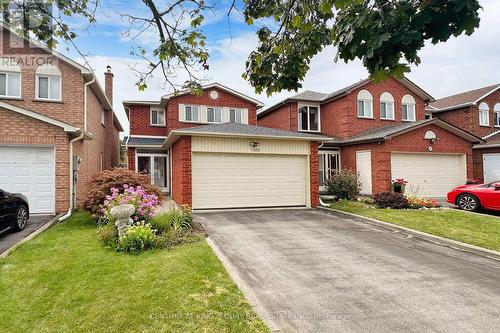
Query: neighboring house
pixel 382 132
pixel 52 112
pixel 207 152
pixel 478 112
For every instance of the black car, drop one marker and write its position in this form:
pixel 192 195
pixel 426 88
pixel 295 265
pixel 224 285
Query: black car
pixel 14 211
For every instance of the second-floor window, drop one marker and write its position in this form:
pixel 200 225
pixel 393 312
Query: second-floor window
pixel 497 114
pixel 214 115
pixel 408 108
pixel 10 84
pixel 484 114
pixel 157 117
pixel 386 106
pixel 365 104
pixel 308 118
pixel 192 113
pixel 48 83
pixel 235 116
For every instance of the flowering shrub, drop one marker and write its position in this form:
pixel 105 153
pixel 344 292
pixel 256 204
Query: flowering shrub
pixel 399 181
pixel 138 238
pixel 390 200
pixel 136 196
pixel 416 202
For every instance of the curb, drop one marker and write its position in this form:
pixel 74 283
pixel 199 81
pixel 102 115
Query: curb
pixel 30 236
pixel 491 254
pixel 250 296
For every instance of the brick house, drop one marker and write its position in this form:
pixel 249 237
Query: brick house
pixel 478 112
pixel 207 152
pixel 52 111
pixel 382 132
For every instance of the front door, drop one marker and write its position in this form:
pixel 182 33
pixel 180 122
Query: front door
pixel 156 166
pixel 364 169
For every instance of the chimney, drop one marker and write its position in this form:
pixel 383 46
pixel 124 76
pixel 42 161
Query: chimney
pixel 108 84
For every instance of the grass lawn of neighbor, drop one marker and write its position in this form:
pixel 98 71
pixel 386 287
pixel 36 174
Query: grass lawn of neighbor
pixel 475 229
pixel 65 281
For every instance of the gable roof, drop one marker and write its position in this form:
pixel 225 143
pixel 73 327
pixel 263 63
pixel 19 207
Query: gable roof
pixel 467 98
pixel 492 141
pixel 244 131
pixel 388 132
pixel 304 96
pixel 221 87
pixel 35 115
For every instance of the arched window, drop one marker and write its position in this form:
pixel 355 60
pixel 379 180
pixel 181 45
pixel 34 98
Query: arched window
pixel 496 109
pixel 48 82
pixel 386 106
pixel 408 108
pixel 484 114
pixel 365 104
pixel 10 78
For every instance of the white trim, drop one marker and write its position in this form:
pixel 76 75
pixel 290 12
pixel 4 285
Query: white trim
pixel 481 111
pixel 38 116
pixel 487 94
pixel 490 135
pixel 457 106
pixel 151 166
pixel 7 74
pixel 151 117
pixel 308 105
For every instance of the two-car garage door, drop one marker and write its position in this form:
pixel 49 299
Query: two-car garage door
pixel 226 180
pixel 431 175
pixel 30 171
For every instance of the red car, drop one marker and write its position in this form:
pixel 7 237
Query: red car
pixel 475 196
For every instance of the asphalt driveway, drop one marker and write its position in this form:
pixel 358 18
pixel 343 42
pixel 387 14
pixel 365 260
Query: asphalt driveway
pixel 10 238
pixel 314 272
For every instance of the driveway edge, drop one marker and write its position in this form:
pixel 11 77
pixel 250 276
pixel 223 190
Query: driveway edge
pixel 250 296
pixel 491 254
pixel 35 233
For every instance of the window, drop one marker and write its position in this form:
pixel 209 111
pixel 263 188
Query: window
pixel 408 108
pixel 103 117
pixel 10 84
pixel 386 106
pixel 192 113
pixel 214 115
pixel 48 82
pixel 309 118
pixel 496 109
pixel 235 116
pixel 328 165
pixel 365 104
pixel 157 117
pixel 484 114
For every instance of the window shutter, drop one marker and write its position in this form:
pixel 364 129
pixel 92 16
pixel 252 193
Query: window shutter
pixel 244 116
pixel 182 114
pixel 203 114
pixel 225 115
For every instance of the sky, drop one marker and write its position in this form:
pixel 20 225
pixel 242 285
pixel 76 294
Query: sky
pixel 462 63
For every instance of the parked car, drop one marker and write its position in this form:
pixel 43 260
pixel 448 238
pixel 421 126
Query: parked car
pixel 14 211
pixel 475 196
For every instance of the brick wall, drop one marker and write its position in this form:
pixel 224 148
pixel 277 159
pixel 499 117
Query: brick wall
pixel 140 122
pixel 409 142
pixel 284 117
pixel 19 129
pixel 478 160
pixel 314 178
pixel 131 158
pixel 181 171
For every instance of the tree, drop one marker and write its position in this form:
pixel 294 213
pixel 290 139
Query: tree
pixel 385 34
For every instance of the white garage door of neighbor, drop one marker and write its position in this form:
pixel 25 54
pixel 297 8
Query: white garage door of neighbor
pixel 491 167
pixel 247 180
pixel 431 175
pixel 30 171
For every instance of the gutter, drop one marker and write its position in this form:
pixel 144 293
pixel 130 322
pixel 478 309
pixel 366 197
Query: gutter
pixel 70 210
pixel 85 86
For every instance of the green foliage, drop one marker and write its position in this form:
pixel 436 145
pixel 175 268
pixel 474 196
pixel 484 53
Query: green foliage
pixel 345 184
pixel 176 219
pixel 137 239
pixel 390 200
pixel 108 235
pixel 172 238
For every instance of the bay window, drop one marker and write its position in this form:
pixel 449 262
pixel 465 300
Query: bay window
pixel 308 118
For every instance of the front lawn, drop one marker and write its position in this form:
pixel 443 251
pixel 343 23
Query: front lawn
pixel 483 231
pixel 65 281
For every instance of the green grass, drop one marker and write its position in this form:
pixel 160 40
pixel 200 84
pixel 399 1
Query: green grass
pixel 483 231
pixel 65 281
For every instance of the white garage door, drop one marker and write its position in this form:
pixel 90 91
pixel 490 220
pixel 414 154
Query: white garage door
pixel 430 175
pixel 245 180
pixel 30 171
pixel 491 166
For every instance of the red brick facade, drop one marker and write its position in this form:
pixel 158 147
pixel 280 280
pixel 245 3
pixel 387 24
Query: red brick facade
pixel 314 176
pixel 412 142
pixel 284 117
pixel 181 171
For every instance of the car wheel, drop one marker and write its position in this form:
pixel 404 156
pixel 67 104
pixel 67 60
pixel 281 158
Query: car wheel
pixel 468 202
pixel 21 218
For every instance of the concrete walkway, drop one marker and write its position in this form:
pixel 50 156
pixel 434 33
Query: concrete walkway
pixel 10 238
pixel 308 271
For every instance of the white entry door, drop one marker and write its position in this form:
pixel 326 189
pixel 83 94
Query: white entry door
pixel 249 180
pixel 364 168
pixel 491 167
pixel 156 166
pixel 29 171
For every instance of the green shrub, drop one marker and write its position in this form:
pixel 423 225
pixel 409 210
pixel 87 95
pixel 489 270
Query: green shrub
pixel 390 200
pixel 345 185
pixel 137 238
pixel 175 219
pixel 108 235
pixel 172 238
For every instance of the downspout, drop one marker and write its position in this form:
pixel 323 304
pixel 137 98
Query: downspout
pixel 85 102
pixel 70 210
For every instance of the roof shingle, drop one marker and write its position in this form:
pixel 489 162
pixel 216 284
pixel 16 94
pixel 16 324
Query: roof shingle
pixel 462 99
